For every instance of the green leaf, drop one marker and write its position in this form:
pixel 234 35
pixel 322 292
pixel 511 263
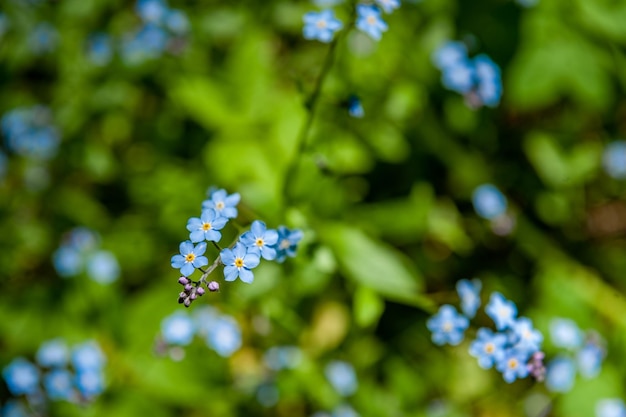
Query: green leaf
pixel 368 306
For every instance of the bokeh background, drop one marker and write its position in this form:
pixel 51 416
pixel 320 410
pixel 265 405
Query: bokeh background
pixel 137 121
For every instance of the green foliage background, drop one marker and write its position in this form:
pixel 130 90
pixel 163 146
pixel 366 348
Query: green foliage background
pixel 384 202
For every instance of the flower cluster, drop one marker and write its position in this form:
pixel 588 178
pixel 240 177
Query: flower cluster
pixel 79 251
pixel 322 25
pixel 29 132
pixel 584 353
pixel 239 260
pixel 514 349
pixel 614 159
pixel 478 79
pixel 219 331
pixel 59 374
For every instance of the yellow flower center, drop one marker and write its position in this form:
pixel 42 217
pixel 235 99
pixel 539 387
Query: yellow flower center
pixel 447 326
pixel 219 205
pixel 190 257
pixel 284 244
pixel 513 363
pixel 206 226
pixel 259 242
pixel 371 20
pixel 321 24
pixel 238 262
pixel 489 348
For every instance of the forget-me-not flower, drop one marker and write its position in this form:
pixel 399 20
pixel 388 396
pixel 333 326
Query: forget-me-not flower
pixel 53 353
pixel 261 240
pixel 224 336
pixel 282 357
pixel 238 262
pixel 355 108
pixel 178 329
pixel 90 382
pixel 58 384
pixel 450 54
pixel 342 377
pixel 528 339
pixel 21 376
pixel 87 356
pixel 287 243
pixel 447 326
pixel 102 267
pixel 206 226
pixel 370 21
pixel 611 407
pixel 488 347
pixel 190 257
pixel 512 365
pixel 488 201
pixel 100 49
pixel 223 203
pixel 560 374
pixel 388 5
pixel 501 310
pixel 320 25
pixel 614 159
pixel 565 333
pixel 469 293
pixel 488 79
pixel 589 360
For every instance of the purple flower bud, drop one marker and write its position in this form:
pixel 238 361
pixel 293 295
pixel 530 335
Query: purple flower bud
pixel 188 287
pixel 181 297
pixel 193 296
pixel 213 286
pixel 200 291
pixel 183 280
pixel 187 302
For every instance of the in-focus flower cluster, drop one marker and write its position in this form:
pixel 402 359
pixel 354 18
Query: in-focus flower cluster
pixel 79 252
pixel 323 25
pixel 513 349
pixel 477 79
pixel 583 354
pixel 58 374
pixel 220 332
pixel 239 260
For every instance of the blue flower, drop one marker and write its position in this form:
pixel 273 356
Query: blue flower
pixel 67 261
pixel 59 384
pixel 83 239
pixel 528 339
pixel 238 262
pixel 43 38
pixel 342 377
pixel 225 205
pixel 14 408
pixel 449 55
pixel 369 21
pixel 447 326
pixel 29 132
pixel 589 360
pixel 90 382
pixel 489 80
pixel 152 11
pixel 178 329
pixel 355 108
pixel 614 159
pixel 501 310
pixel 53 353
pixel 260 240
pixel 469 293
pixel 488 201
pixel 512 365
pixel 224 336
pixel 610 407
pixel 488 347
pixel 87 356
pixel 283 357
pixel 102 267
pixel 190 257
pixel 459 78
pixel 177 22
pixel 287 243
pixel 560 374
pixel 21 376
pixel 320 25
pixel 206 227
pixel 100 49
pixel 344 410
pixel 388 5
pixel 565 334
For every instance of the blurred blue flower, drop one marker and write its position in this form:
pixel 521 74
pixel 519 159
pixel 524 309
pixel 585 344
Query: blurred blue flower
pixel 469 293
pixel 178 329
pixel 589 360
pixel 147 43
pixel 283 357
pixel 388 5
pixel 610 407
pixel 4 24
pixel 43 38
pixel 90 382
pixel 100 49
pixel 151 11
pixel 560 374
pixel 527 339
pixel 565 334
pixel 459 78
pixel 21 377
pixel 190 257
pixel 488 201
pixel 447 326
pixel 223 203
pixel 320 25
pixel 287 243
pixel 67 261
pixel 344 410
pixel 14 408
pixel 342 377
pixel 28 132
pixel 238 262
pixel 512 365
pixel 488 347
pixel 527 3
pixel 501 310
pixel 267 395
pixel 102 267
pixel 83 239
pixel 87 357
pixel 355 108
pixel 53 353
pixel 489 80
pixel 260 240
pixel 450 54
pixel 177 22
pixel 224 336
pixel 206 226
pixel 614 159
pixel 370 21
pixel 58 383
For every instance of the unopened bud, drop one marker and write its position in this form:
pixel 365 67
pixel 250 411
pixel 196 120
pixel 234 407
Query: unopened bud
pixel 188 287
pixel 187 302
pixel 213 286
pixel 193 296
pixel 200 291
pixel 183 280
